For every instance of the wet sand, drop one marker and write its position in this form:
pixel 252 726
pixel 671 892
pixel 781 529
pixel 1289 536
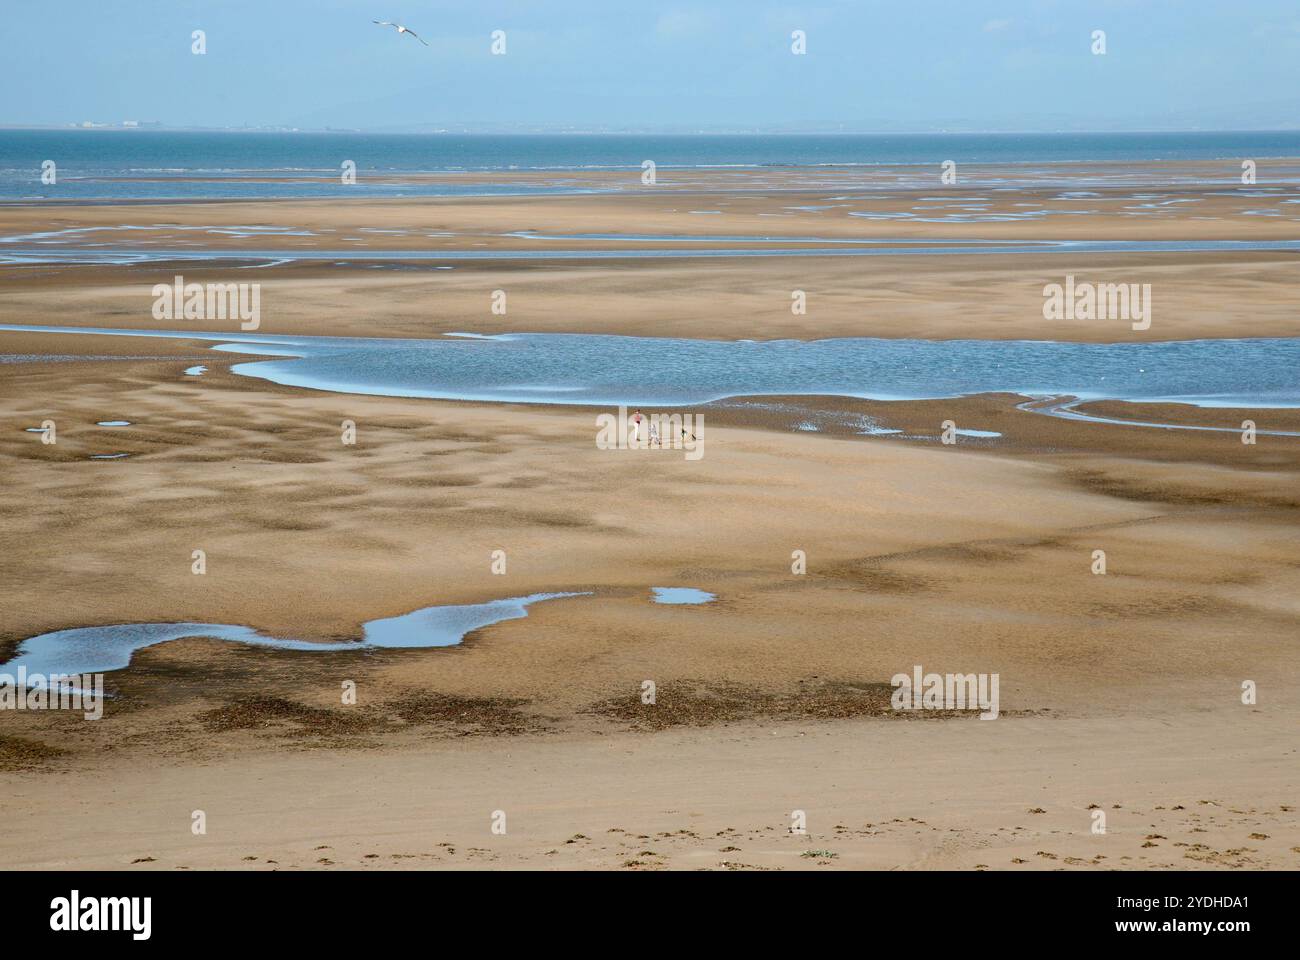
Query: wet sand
pixel 1120 690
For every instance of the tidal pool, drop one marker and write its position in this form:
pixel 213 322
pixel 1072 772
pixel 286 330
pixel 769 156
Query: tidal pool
pixel 681 595
pixel 102 649
pixel 603 370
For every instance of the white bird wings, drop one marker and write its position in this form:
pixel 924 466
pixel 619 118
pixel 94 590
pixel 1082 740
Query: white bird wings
pixel 401 29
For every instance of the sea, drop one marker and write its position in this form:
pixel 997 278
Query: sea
pixel 149 164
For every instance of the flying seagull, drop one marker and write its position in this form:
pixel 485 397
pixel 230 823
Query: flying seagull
pixel 400 29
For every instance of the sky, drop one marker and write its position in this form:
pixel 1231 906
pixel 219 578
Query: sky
pixel 709 65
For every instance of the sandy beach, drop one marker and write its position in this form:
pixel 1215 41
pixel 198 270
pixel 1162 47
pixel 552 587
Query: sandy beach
pixel 1119 692
pixel 1197 293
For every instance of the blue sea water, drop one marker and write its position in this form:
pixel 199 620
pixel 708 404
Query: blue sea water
pixel 609 370
pixel 153 164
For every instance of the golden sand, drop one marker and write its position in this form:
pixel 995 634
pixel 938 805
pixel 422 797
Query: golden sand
pixel 1120 692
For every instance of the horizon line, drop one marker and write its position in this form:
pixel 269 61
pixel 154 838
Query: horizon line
pixel 159 127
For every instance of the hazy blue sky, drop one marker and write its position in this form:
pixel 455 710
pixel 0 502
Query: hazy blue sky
pixel 907 65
